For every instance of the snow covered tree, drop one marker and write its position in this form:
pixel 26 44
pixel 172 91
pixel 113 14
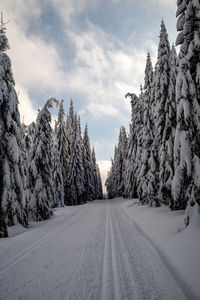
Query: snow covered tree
pixel 165 118
pixel 147 138
pixel 186 182
pixel 63 147
pixel 99 184
pixel 13 204
pixel 134 148
pixel 88 167
pixel 41 166
pixel 121 164
pixel 98 193
pixel 58 182
pixel 75 194
pixel 112 178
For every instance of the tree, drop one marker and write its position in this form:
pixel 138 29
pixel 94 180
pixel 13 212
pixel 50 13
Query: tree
pixel 165 114
pixel 76 189
pixel 97 192
pixel 13 202
pixel 121 164
pixel 147 137
pixel 58 182
pixel 111 178
pixel 88 167
pixel 41 166
pixel 62 148
pixel 134 148
pixel 186 182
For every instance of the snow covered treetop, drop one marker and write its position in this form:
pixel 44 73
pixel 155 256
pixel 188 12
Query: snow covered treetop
pixel 4 45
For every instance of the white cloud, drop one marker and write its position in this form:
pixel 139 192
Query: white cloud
pixel 35 63
pixel 104 166
pixel 27 111
pixel 104 69
pixel 171 4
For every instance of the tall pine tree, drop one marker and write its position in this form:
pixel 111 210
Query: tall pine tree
pixel 13 205
pixel 41 166
pixel 186 182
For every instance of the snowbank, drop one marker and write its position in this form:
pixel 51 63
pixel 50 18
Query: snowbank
pixel 178 247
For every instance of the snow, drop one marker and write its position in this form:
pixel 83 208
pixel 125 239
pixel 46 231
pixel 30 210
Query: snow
pixel 178 247
pixel 95 251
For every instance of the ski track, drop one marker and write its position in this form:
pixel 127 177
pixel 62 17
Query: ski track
pixel 35 245
pixel 93 253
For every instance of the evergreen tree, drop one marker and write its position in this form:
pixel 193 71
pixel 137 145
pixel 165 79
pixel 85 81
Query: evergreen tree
pixel 98 193
pixel 76 190
pixel 88 167
pixel 122 150
pixel 63 148
pixel 112 178
pixel 186 183
pixel 58 182
pixel 99 185
pixel 165 119
pixel 13 206
pixel 147 138
pixel 134 149
pixel 41 166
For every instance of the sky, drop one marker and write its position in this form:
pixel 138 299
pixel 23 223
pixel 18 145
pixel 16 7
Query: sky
pixel 91 51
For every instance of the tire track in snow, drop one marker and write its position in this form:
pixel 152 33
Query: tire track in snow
pixel 169 266
pixel 110 277
pixel 105 262
pixel 37 244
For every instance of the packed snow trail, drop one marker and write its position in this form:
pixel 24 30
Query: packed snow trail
pixel 87 252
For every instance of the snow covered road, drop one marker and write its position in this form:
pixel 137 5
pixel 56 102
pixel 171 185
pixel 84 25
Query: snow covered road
pixel 87 252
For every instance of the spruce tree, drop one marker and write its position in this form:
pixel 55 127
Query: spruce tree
pixel 131 172
pixel 88 167
pixel 13 205
pixel 147 137
pixel 122 147
pixel 41 166
pixel 63 148
pixel 111 180
pixel 186 183
pixel 98 194
pixel 165 118
pixel 58 182
pixel 76 190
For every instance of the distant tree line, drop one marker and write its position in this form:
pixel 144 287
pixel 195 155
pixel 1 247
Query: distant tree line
pixel 159 160
pixel 40 167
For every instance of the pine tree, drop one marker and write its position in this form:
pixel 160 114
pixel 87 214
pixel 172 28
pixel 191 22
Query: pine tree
pixel 98 193
pixel 58 182
pixel 122 148
pixel 76 190
pixel 186 183
pixel 13 206
pixel 63 148
pixel 88 167
pixel 41 166
pixel 111 180
pixel 134 149
pixel 165 119
pixel 99 185
pixel 147 138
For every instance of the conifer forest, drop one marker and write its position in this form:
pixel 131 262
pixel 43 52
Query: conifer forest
pixel 61 235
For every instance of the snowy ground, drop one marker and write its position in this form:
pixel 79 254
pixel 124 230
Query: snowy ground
pixel 94 251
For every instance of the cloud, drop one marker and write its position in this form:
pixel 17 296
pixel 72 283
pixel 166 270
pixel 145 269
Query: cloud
pixel 105 70
pixel 36 64
pixel 171 4
pixel 27 110
pixel 104 166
